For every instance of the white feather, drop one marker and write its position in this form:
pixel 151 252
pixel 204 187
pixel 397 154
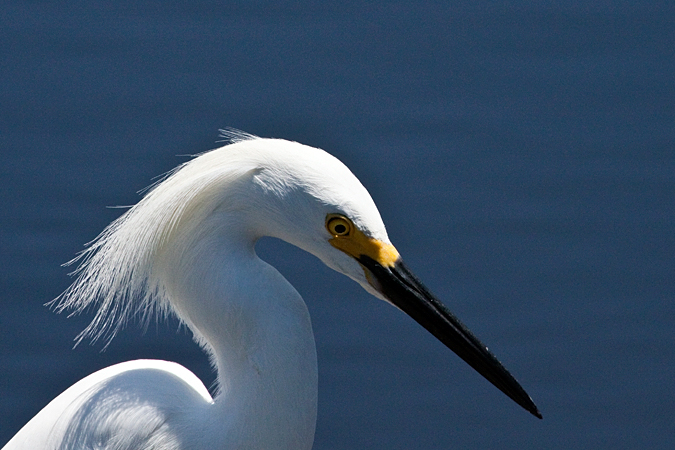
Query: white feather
pixel 187 248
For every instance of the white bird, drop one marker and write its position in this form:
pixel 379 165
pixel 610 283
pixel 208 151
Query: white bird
pixel 188 248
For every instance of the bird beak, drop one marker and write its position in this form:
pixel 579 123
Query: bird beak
pixel 396 283
pixel 387 274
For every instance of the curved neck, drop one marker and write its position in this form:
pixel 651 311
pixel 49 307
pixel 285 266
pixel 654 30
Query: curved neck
pixel 258 331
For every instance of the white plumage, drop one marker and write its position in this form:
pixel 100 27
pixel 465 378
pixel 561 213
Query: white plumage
pixel 188 248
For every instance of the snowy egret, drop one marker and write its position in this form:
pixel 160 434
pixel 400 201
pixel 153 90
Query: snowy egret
pixel 188 248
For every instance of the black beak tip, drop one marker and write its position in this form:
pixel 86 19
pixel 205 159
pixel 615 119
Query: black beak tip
pixel 532 409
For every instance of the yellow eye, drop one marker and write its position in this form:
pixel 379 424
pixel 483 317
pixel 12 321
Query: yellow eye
pixel 338 225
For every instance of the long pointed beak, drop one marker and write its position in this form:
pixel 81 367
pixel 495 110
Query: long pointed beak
pixel 406 292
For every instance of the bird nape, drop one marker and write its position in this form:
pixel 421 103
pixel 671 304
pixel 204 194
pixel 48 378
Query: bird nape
pixel 187 248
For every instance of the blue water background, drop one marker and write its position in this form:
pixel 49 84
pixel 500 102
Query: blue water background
pixel 522 155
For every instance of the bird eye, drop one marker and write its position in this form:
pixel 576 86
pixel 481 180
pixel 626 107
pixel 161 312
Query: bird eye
pixel 338 225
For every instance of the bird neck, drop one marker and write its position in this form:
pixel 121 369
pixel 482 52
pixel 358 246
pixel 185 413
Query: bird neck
pixel 258 331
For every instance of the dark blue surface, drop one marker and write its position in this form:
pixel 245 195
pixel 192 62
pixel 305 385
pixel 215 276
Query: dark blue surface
pixel 522 156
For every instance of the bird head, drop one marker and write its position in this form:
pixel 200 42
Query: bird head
pixel 307 197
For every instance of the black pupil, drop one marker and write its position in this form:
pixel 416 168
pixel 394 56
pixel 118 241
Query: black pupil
pixel 340 228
